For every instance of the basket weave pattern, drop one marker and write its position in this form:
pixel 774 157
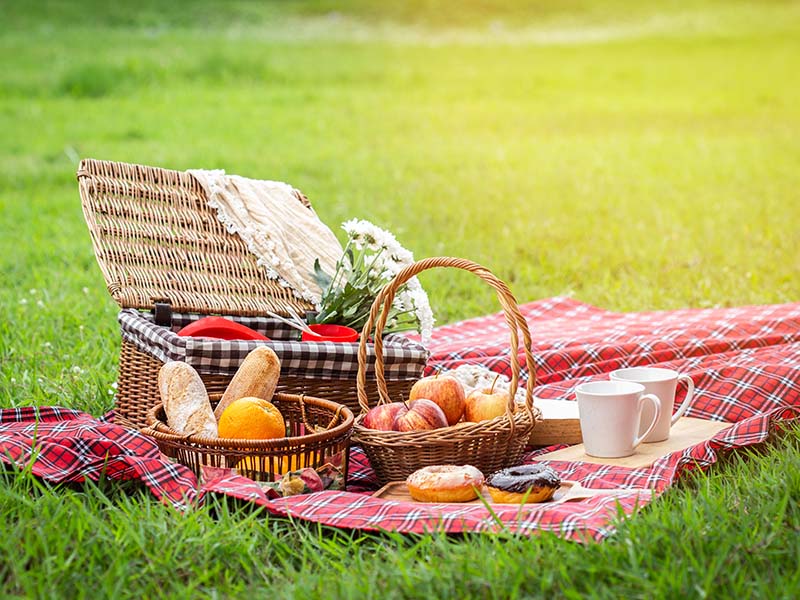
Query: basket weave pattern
pixel 265 458
pixel 138 382
pixel 487 445
pixel 153 231
pixel 156 240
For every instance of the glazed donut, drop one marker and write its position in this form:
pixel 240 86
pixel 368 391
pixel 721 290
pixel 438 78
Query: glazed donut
pixel 445 483
pixel 526 483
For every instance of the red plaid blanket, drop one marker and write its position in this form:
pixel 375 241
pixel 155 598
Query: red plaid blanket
pixel 745 363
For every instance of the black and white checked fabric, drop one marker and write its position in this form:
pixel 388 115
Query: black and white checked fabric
pixel 403 358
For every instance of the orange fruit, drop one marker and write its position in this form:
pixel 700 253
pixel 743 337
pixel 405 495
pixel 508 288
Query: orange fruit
pixel 251 418
pixel 251 463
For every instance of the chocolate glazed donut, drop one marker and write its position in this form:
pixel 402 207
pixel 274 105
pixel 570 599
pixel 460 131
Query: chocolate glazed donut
pixel 525 483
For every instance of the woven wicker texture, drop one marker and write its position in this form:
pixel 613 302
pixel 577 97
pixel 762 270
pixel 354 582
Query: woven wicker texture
pixel 330 422
pixel 137 388
pixel 156 240
pixel 487 445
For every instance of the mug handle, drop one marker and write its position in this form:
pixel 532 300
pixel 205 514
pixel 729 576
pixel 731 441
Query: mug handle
pixel 686 401
pixel 657 405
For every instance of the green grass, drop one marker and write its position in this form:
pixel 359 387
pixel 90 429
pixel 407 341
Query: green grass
pixel 637 156
pixel 733 533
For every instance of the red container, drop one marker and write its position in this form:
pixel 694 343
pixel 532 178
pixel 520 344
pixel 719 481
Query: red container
pixel 330 333
pixel 220 328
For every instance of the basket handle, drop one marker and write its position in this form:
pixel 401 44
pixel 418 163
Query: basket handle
pixel 383 301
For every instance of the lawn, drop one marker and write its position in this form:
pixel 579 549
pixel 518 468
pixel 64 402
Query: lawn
pixel 636 156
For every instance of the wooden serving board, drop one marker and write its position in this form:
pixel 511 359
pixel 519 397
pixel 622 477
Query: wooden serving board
pixel 686 432
pixel 569 491
pixel 559 424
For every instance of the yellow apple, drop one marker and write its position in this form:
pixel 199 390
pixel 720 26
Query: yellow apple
pixel 485 404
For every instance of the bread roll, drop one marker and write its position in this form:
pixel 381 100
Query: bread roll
pixel 185 399
pixel 257 376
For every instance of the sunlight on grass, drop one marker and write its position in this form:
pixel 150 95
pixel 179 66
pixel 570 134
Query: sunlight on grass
pixel 637 156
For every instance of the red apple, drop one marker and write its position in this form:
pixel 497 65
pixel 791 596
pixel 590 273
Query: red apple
pixel 422 414
pixel 445 391
pixel 485 404
pixel 382 416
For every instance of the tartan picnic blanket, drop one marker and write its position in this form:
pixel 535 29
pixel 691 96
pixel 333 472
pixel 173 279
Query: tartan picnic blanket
pixel 745 363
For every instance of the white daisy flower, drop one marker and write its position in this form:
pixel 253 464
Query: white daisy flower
pixel 372 258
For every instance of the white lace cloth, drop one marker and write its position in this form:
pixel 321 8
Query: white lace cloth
pixel 284 235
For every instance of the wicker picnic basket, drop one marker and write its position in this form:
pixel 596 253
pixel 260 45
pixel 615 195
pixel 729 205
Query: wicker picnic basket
pixel 487 445
pixel 167 260
pixel 319 432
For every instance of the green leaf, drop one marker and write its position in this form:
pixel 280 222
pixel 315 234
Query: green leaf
pixel 322 279
pixel 331 317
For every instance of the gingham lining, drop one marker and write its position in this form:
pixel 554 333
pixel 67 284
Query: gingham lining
pixel 403 358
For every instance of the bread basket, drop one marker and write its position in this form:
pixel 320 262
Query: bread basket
pixel 488 445
pixel 319 432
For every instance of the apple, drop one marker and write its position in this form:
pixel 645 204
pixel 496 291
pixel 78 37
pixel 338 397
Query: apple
pixel 445 391
pixel 382 416
pixel 485 404
pixel 422 414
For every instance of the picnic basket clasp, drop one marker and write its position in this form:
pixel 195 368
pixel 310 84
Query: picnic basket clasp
pixel 162 313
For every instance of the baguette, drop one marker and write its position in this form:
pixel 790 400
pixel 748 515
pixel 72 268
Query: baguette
pixel 257 376
pixel 185 399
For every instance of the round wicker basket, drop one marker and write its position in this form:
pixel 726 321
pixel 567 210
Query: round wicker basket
pixel 318 429
pixel 487 445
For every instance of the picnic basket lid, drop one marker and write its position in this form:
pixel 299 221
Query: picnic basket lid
pixel 156 240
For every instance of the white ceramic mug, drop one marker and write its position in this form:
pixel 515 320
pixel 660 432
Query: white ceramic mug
pixel 662 383
pixel 610 413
